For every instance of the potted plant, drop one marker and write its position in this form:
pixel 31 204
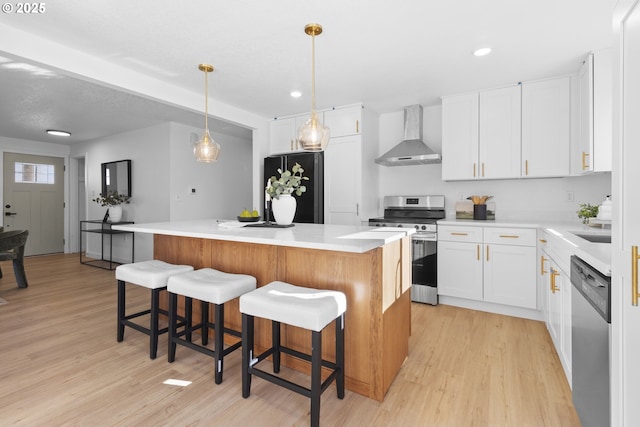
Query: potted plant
pixel 113 200
pixel 280 191
pixel 587 211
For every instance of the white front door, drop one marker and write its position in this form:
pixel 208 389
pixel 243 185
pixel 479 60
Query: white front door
pixel 625 319
pixel 34 200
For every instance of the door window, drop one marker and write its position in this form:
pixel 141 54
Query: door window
pixel 34 173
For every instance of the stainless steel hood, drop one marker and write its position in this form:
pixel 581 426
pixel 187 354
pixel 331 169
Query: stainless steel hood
pixel 412 150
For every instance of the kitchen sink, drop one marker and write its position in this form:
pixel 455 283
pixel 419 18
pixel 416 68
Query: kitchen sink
pixel 595 238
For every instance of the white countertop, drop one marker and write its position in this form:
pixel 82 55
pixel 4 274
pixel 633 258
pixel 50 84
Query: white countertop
pixel 598 255
pixel 341 238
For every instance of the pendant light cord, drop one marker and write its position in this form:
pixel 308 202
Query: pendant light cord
pixel 313 73
pixel 206 100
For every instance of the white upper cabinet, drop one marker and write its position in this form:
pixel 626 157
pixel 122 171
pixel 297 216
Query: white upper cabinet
pixel 460 137
pixel 499 126
pixel 481 135
pixel 594 98
pixel 283 133
pixel 344 121
pixel 546 128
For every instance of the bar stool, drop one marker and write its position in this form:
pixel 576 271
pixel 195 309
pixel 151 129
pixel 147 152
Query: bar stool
pixel 306 308
pixel 208 286
pixel 153 275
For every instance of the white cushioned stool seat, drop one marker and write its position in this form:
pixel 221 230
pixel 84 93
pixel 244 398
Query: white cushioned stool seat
pixel 154 275
pixel 211 285
pixel 306 308
pixel 150 274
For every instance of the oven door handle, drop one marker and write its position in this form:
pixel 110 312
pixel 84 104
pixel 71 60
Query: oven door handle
pixel 426 237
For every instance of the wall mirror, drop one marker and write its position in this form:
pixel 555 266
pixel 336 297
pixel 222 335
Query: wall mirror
pixel 116 176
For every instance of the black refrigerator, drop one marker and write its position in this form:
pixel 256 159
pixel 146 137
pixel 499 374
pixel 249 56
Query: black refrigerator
pixel 310 206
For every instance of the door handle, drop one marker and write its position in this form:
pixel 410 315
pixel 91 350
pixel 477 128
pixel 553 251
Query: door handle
pixel 10 213
pixel 634 275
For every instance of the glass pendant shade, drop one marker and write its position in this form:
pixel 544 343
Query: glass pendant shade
pixel 206 149
pixel 313 135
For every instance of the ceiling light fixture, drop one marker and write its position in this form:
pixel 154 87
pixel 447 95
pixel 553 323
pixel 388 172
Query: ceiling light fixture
pixel 482 51
pixel 58 132
pixel 295 94
pixel 313 135
pixel 206 149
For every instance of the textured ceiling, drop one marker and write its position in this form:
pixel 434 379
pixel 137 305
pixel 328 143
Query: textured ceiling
pixel 382 53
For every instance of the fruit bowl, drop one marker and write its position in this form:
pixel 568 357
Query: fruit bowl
pixel 248 218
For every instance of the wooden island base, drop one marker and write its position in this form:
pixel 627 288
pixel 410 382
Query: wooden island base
pixel 376 283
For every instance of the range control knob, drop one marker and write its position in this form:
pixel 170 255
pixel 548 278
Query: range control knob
pixel 399 225
pixel 417 227
pixel 424 227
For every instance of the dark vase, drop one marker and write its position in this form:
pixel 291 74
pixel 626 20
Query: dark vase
pixel 480 212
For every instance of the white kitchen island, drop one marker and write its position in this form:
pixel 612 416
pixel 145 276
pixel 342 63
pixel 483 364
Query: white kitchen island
pixel 373 269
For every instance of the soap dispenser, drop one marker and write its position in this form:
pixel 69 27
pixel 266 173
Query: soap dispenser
pixel 604 212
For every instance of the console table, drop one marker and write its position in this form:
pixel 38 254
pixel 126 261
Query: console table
pixel 104 229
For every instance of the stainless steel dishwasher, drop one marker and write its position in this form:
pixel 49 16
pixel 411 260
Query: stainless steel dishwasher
pixel 590 335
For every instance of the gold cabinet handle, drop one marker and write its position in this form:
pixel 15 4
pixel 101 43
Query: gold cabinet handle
pixel 634 275
pixel 478 252
pixel 526 167
pixel 487 252
pixel 474 170
pixel 585 165
pixel 554 273
pixel 459 234
pixel 543 241
pixel 357 126
pixel 509 236
pixel 482 168
pixel 542 270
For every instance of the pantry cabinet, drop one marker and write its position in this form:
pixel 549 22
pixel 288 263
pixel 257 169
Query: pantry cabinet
pixel 546 128
pixel 491 264
pixel 349 170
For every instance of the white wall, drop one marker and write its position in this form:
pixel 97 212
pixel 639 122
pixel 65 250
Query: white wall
pixel 526 199
pixel 223 188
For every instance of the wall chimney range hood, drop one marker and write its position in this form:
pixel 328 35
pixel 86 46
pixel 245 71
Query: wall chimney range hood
pixel 411 150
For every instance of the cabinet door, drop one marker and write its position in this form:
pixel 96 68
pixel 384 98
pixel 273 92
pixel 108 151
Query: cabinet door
pixel 510 275
pixel 546 128
pixel 283 134
pixel 343 180
pixel 585 109
pixel 555 307
pixel 460 137
pixel 344 121
pixel 460 270
pixel 499 133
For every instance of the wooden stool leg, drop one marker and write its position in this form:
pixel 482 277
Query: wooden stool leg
pixel 204 321
pixel 340 356
pixel 316 380
pixel 155 302
pixel 275 343
pixel 188 311
pixel 219 341
pixel 121 304
pixel 173 310
pixel 247 353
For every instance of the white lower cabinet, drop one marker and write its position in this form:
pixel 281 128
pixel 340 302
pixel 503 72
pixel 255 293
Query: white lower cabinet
pixel 490 264
pixel 554 265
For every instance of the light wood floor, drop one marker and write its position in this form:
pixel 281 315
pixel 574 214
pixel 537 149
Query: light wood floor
pixel 60 364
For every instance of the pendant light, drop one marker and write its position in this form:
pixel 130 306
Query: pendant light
pixel 313 135
pixel 206 149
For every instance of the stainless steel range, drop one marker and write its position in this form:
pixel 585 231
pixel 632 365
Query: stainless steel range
pixel 420 212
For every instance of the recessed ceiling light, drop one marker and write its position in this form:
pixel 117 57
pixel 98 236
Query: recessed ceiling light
pixel 295 94
pixel 482 51
pixel 58 132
